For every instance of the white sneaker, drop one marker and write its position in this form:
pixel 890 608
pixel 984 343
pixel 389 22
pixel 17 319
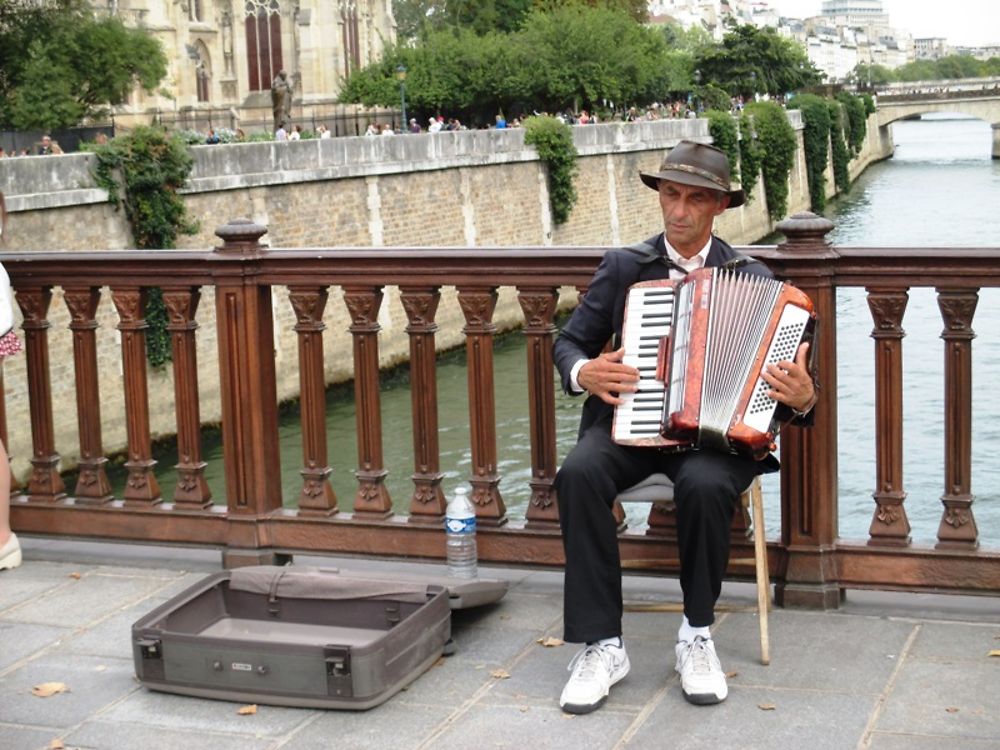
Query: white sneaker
pixel 702 678
pixel 595 669
pixel 10 553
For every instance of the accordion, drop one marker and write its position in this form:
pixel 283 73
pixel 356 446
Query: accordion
pixel 700 345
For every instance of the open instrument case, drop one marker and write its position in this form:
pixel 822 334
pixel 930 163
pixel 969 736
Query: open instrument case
pixel 301 636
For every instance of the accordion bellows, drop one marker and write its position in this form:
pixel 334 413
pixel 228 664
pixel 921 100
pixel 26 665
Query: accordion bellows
pixel 700 345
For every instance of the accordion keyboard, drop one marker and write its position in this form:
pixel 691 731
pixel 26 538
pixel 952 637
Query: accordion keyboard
pixel 648 311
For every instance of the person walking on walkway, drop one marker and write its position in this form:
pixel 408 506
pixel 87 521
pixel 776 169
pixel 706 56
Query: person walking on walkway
pixel 10 549
pixel 694 187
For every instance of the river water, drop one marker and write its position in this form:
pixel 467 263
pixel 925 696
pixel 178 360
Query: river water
pixel 940 189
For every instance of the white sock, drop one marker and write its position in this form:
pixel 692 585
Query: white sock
pixel 617 642
pixel 688 633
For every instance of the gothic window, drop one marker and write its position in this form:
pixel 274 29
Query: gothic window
pixel 263 30
pixel 204 79
pixel 351 43
pixel 194 7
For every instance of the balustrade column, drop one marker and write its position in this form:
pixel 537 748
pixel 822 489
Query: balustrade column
pixel 958 525
pixel 45 485
pixel 428 502
pixel 809 455
pixel 372 500
pixel 141 488
pixel 317 497
pixel 245 324
pixel 478 304
pixel 192 490
pixel 92 486
pixel 889 523
pixel 539 306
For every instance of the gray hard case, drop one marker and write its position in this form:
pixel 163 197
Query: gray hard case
pixel 300 636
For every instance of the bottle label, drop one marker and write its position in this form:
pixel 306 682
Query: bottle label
pixel 460 525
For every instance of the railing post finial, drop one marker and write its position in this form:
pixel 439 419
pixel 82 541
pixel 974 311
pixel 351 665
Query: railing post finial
pixel 241 236
pixel 805 230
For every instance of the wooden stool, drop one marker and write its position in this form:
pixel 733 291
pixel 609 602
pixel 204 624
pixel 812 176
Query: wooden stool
pixel 658 489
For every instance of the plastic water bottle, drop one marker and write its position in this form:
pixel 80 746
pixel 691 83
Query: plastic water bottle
pixel 460 530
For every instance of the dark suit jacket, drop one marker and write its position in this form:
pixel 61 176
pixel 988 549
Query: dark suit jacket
pixel 600 314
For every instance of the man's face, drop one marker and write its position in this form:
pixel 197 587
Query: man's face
pixel 46 141
pixel 688 213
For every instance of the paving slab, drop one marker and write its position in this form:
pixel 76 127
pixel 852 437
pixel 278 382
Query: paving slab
pixel 20 640
pixel 108 735
pixel 93 683
pixel 395 724
pixel 25 738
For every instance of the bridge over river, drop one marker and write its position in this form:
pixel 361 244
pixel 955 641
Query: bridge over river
pixel 977 97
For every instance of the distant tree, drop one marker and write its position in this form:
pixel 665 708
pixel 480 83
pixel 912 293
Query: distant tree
pixel 571 56
pixel 756 61
pixel 61 65
pixel 415 18
pixel 875 75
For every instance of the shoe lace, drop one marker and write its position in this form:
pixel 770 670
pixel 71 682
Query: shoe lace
pixel 700 656
pixel 586 663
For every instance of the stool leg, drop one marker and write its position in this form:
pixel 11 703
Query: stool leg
pixel 763 578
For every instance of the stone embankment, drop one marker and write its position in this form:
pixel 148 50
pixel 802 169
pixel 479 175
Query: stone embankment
pixel 473 188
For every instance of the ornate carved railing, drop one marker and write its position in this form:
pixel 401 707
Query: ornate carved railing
pixel 809 562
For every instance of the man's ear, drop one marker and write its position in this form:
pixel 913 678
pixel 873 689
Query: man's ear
pixel 723 203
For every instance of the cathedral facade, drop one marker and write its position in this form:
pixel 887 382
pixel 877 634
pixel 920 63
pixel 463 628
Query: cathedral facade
pixel 223 56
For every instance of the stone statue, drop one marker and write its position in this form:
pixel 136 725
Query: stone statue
pixel 281 99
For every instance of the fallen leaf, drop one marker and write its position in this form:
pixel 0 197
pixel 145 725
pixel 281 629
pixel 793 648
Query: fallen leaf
pixel 441 660
pixel 46 689
pixel 100 668
pixel 56 744
pixel 995 652
pixel 766 706
pixel 75 575
pixel 549 642
pixel 500 674
pixel 952 710
pixel 731 675
pixel 523 709
pixel 569 716
pixel 247 710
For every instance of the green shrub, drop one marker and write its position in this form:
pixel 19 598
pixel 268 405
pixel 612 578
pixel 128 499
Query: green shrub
pixel 777 144
pixel 142 172
pixel 553 140
pixel 869 103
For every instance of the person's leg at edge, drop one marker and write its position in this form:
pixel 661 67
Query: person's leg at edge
pixel 593 473
pixel 707 487
pixel 10 548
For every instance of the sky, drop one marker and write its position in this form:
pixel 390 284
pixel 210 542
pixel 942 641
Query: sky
pixel 961 22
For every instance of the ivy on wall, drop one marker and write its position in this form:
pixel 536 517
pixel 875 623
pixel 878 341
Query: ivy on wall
pixel 751 155
pixel 142 172
pixel 777 145
pixel 737 138
pixel 553 140
pixel 840 154
pixel 816 139
pixel 856 128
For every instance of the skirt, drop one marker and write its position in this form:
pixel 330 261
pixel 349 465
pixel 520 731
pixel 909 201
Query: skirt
pixel 9 344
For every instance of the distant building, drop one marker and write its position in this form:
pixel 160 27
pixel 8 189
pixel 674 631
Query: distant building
pixel 857 13
pixel 930 48
pixel 224 54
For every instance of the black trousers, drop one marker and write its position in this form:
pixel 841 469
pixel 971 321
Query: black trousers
pixel 707 487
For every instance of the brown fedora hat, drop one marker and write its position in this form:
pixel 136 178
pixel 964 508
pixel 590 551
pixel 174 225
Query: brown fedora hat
pixel 698 164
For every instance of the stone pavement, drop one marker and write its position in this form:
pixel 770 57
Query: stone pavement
pixel 885 671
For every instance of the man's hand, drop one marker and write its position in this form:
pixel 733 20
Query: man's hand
pixel 791 383
pixel 606 376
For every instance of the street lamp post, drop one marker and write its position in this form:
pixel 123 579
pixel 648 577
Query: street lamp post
pixel 401 77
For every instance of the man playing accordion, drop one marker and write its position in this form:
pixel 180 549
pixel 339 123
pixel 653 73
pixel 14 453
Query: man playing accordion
pixel 694 187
